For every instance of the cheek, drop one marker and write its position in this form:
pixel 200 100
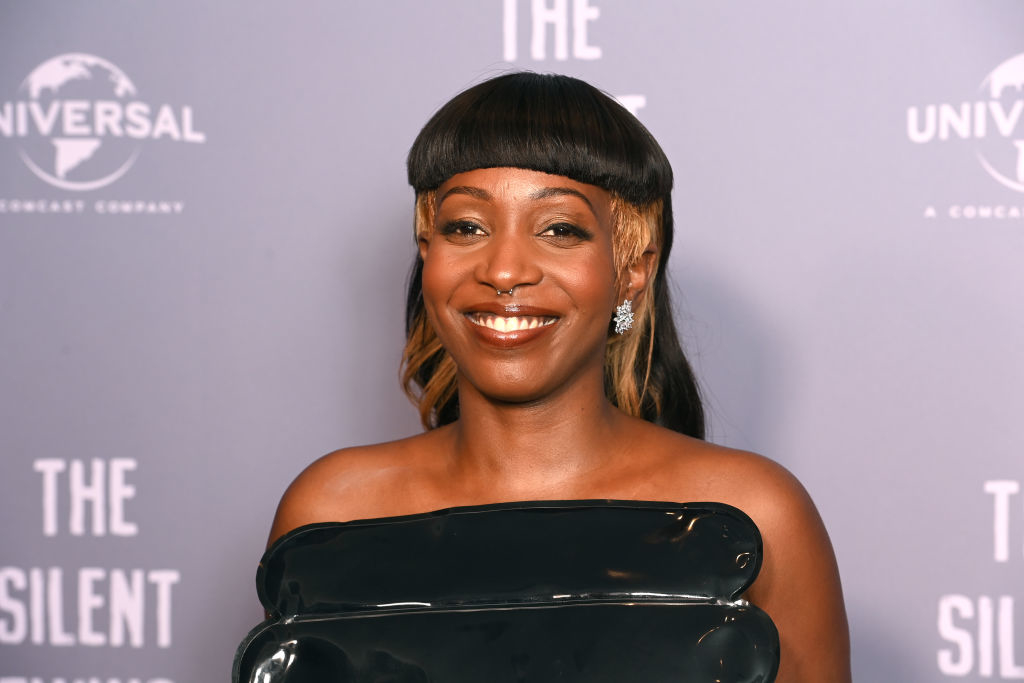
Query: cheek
pixel 440 280
pixel 434 286
pixel 593 286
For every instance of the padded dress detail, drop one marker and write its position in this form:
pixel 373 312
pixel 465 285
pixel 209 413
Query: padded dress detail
pixel 582 591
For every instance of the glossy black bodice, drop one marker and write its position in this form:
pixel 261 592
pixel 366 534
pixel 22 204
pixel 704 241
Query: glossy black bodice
pixel 586 591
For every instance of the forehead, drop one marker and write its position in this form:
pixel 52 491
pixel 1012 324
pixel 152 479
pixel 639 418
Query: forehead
pixel 503 184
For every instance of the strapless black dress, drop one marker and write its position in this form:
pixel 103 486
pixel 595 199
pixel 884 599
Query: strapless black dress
pixel 582 591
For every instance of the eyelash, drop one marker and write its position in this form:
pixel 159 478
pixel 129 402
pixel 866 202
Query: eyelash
pixel 463 228
pixel 556 230
pixel 568 230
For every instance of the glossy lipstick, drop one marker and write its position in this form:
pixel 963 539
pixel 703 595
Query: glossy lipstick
pixel 511 325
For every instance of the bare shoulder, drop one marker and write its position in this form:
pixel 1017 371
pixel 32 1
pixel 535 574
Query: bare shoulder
pixel 765 490
pixel 351 483
pixel 694 470
pixel 799 583
pixel 770 494
pixel 759 486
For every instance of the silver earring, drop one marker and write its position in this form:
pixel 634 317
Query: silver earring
pixel 504 291
pixel 623 317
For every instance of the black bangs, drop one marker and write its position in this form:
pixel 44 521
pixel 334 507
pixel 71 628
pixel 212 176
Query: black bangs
pixel 550 123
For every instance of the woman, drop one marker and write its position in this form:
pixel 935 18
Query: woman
pixel 542 354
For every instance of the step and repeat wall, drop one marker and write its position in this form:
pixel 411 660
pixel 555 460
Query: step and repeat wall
pixel 205 232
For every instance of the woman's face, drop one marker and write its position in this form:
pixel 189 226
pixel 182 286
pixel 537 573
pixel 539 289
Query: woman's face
pixel 549 240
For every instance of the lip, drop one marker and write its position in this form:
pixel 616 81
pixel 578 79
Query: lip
pixel 510 310
pixel 541 320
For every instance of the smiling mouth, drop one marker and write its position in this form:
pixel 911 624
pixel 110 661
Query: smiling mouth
pixel 517 323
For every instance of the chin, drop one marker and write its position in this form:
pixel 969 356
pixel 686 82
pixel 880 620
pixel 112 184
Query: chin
pixel 512 392
pixel 519 384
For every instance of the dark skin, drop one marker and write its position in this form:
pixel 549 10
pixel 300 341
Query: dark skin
pixel 535 423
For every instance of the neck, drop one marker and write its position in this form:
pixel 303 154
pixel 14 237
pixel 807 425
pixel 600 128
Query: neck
pixel 541 449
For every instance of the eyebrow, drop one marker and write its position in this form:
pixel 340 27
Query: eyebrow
pixel 474 192
pixel 546 192
pixel 543 193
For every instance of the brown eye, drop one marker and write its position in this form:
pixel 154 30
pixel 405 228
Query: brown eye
pixel 566 232
pixel 462 229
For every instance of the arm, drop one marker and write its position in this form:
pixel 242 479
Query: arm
pixel 298 504
pixel 799 583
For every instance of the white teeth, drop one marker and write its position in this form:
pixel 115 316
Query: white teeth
pixel 513 324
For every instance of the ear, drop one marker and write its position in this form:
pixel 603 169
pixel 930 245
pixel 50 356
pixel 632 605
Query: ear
pixel 635 278
pixel 423 243
pixel 424 221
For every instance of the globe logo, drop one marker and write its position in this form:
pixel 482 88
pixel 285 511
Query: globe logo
pixel 79 125
pixel 1005 84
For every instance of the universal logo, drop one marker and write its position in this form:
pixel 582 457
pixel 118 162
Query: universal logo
pixel 79 125
pixel 993 123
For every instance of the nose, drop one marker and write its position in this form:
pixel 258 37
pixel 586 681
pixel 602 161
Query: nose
pixel 509 261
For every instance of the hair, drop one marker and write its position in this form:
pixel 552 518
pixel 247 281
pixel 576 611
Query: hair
pixel 563 126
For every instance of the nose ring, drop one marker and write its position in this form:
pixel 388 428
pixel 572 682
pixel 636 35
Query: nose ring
pixel 504 291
